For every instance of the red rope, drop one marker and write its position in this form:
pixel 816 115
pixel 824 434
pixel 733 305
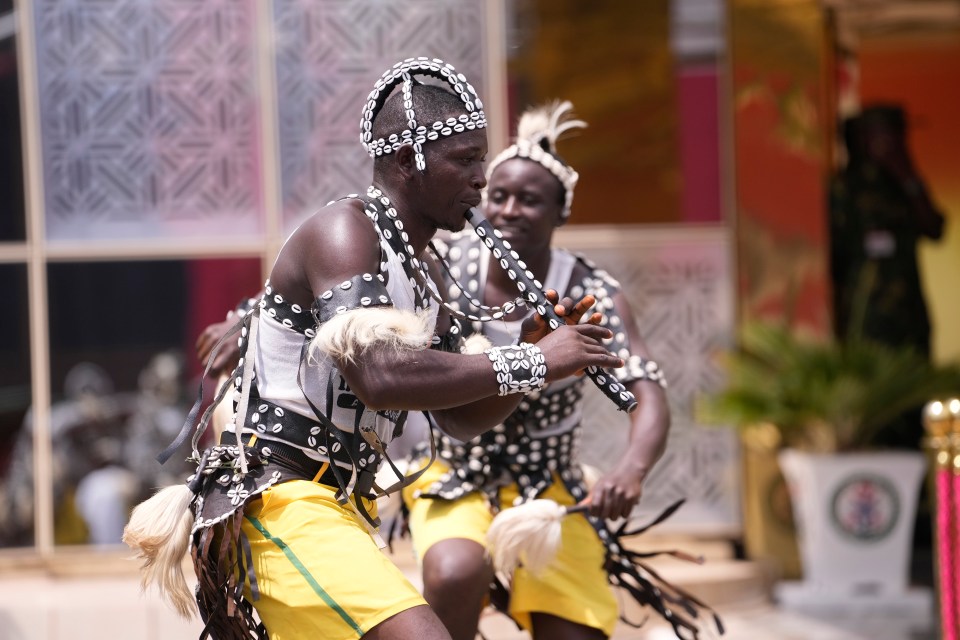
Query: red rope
pixel 947 484
pixel 954 522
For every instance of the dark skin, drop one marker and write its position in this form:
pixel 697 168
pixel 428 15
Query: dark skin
pixel 339 242
pixel 229 353
pixel 525 202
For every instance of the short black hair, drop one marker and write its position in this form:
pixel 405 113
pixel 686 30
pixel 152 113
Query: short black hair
pixel 430 104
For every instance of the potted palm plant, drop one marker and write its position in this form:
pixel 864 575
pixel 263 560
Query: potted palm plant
pixel 824 401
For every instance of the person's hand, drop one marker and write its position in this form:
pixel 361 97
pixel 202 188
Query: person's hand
pixel 535 326
pixel 570 349
pixel 615 494
pixel 229 354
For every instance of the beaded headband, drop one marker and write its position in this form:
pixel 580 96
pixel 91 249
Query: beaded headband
pixel 417 134
pixel 537 134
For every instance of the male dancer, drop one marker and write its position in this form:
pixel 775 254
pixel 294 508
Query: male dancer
pixel 533 454
pixel 334 354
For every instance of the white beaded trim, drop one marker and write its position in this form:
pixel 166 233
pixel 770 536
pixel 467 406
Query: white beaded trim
pixel 415 268
pixel 519 368
pixel 418 134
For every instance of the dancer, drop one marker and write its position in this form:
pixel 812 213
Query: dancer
pixel 333 355
pixel 533 454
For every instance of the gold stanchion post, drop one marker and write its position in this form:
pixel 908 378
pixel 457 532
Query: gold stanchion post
pixel 941 437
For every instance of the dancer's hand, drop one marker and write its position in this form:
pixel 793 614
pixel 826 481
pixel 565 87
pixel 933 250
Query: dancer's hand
pixel 572 348
pixel 229 354
pixel 616 493
pixel 535 326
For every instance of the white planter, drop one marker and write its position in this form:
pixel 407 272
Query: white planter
pixel 855 515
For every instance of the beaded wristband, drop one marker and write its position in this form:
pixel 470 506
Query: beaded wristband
pixel 519 369
pixel 637 368
pixel 243 307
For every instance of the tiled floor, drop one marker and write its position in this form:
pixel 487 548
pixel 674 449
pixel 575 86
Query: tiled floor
pixel 37 605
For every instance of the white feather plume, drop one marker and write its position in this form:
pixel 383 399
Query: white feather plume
pixel 548 122
pixel 159 533
pixel 527 534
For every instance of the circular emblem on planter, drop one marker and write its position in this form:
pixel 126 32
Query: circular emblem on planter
pixel 865 507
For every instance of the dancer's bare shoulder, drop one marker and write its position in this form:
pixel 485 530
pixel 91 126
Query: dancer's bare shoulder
pixel 331 246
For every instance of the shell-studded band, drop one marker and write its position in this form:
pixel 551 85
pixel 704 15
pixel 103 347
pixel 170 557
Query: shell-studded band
pixel 417 134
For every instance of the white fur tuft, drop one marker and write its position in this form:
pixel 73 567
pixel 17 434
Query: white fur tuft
pixel 476 343
pixel 527 534
pixel 347 335
pixel 159 531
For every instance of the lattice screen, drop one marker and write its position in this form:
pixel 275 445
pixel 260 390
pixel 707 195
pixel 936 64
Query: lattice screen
pixel 149 117
pixel 678 284
pixel 329 54
pixel 150 108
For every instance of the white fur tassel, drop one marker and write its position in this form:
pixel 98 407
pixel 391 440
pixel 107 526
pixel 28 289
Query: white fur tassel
pixel 528 533
pixel 476 343
pixel 159 532
pixel 346 335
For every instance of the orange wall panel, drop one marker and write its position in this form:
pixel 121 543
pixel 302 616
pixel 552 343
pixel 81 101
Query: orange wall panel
pixel 922 73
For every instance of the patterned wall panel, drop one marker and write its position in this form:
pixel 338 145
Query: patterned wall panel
pixel 680 286
pixel 329 53
pixel 149 117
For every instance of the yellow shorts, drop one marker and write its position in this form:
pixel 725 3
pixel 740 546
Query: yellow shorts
pixel 319 572
pixel 574 587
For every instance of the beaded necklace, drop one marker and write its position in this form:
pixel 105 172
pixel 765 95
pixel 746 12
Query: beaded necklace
pixel 391 229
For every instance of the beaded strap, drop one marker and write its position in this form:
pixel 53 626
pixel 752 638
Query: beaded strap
pixel 507 307
pixel 359 292
pixel 520 368
pixel 391 228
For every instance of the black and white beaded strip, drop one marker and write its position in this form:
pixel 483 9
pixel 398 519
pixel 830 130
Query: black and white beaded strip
pixel 533 151
pixel 359 292
pixel 415 269
pixel 519 368
pixel 531 288
pixel 506 308
pixel 418 134
pixel 640 368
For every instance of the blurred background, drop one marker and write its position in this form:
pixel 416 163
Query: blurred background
pixel 154 154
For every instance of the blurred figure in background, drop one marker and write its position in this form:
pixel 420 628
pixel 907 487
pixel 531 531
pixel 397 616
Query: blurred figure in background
pixel 879 211
pixel 104 453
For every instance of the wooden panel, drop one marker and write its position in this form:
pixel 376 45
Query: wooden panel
pixel 613 61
